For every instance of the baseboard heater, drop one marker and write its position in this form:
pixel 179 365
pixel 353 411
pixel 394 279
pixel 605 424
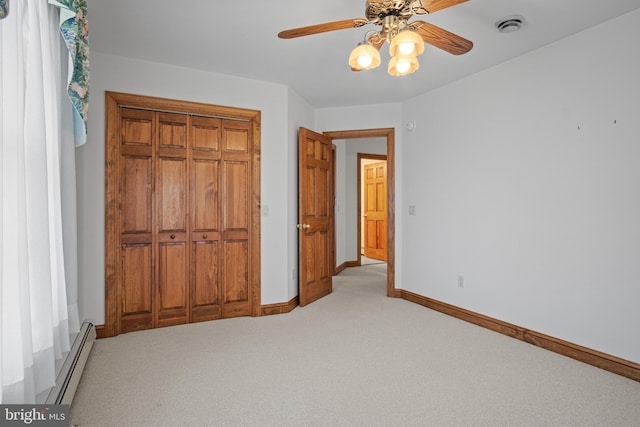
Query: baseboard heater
pixel 71 371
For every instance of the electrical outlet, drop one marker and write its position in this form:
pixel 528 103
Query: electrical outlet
pixel 461 281
pixel 265 210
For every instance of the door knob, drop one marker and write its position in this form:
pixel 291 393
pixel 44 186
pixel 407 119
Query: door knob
pixel 303 226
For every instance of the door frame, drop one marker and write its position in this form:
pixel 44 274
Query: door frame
pixel 113 102
pixel 365 156
pixel 389 134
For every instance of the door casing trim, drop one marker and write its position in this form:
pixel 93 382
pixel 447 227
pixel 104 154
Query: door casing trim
pixel 389 134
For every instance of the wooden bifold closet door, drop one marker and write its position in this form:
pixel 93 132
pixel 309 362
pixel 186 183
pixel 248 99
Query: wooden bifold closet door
pixel 184 217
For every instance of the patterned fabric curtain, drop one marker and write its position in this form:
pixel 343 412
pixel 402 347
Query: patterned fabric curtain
pixel 4 8
pixel 74 27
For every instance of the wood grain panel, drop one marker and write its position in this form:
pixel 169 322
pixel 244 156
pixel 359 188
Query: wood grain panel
pixel 323 182
pixel 206 206
pixel 236 190
pixel 323 268
pixel 172 130
pixel 207 133
pixel 136 285
pixel 309 258
pixel 172 190
pixel 172 277
pixel 309 203
pixel 136 195
pixel 380 196
pixel 206 274
pixel 235 275
pixel 236 136
pixel 137 127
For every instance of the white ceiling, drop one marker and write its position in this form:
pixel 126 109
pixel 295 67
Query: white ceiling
pixel 239 37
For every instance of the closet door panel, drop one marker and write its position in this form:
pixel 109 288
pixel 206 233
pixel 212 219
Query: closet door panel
pixel 235 278
pixel 137 175
pixel 172 130
pixel 172 194
pixel 206 134
pixel 137 287
pixel 136 219
pixel 236 193
pixel 206 281
pixel 172 283
pixel 205 202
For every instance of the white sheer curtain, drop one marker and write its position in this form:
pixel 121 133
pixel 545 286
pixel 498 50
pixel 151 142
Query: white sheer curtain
pixel 34 321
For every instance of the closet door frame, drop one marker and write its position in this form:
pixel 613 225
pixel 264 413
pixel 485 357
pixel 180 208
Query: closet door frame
pixel 114 101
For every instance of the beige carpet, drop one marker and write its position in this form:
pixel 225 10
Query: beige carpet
pixel 354 358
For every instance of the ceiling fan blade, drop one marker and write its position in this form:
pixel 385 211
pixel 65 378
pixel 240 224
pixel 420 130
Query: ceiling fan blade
pixel 420 7
pixel 322 28
pixel 442 38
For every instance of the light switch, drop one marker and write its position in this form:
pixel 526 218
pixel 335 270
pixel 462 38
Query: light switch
pixel 412 210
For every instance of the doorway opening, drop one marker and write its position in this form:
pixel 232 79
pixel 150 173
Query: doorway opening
pixel 372 209
pixel 388 135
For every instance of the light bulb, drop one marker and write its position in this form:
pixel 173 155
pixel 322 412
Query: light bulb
pixel 406 48
pixel 364 60
pixel 403 66
pixel 364 57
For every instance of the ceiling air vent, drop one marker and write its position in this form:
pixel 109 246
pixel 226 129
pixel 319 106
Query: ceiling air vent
pixel 511 24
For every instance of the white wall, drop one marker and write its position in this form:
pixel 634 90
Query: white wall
pixel 526 178
pixel 145 78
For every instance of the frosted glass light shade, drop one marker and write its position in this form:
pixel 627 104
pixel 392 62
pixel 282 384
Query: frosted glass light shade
pixel 403 65
pixel 407 42
pixel 364 57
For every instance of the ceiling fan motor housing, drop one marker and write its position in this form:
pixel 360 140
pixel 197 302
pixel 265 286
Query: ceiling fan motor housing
pixel 377 11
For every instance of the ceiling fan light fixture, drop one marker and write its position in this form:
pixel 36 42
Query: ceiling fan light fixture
pixel 407 42
pixel 401 65
pixel 364 57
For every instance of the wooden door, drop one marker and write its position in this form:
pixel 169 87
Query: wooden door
pixel 182 213
pixel 315 178
pixel 171 198
pixel 135 228
pixel 375 210
pixel 235 183
pixel 206 136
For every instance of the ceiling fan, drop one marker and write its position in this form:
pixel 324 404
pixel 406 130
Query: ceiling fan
pixel 405 38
